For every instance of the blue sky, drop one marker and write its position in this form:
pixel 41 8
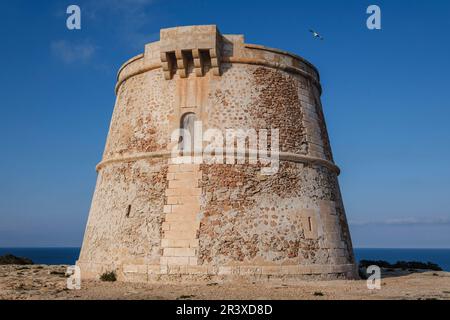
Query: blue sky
pixel 386 99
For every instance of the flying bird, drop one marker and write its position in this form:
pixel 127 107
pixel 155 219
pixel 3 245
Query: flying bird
pixel 316 34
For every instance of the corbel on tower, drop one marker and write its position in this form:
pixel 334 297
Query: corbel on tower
pixel 198 63
pixel 182 64
pixel 215 61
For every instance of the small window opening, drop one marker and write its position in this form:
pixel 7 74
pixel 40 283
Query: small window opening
pixel 186 143
pixel 128 211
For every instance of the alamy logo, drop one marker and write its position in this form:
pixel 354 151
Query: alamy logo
pixel 234 146
pixel 374 20
pixel 374 280
pixel 73 22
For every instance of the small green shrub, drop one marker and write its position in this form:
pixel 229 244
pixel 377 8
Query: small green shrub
pixel 362 273
pixel 108 276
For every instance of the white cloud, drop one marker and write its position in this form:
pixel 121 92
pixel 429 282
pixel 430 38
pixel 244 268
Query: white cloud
pixel 132 19
pixel 70 52
pixel 405 221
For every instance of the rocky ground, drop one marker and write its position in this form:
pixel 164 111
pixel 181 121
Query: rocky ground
pixel 49 282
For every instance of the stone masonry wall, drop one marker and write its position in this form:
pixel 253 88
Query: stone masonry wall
pixel 124 225
pixel 292 218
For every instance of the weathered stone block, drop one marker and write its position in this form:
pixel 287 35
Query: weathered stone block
pixel 181 235
pixel 179 252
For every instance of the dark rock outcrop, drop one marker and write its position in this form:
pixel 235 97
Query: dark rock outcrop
pixel 11 259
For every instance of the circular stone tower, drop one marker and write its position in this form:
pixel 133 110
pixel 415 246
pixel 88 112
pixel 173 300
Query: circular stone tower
pixel 153 218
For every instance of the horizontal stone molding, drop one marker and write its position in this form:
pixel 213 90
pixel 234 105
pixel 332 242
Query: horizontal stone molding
pixel 122 78
pixel 123 75
pixel 283 156
pixel 89 270
pixel 128 62
pixel 286 53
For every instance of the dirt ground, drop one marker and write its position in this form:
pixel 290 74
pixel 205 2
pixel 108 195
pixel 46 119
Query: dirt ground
pixel 49 282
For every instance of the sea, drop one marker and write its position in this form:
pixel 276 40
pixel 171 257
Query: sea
pixel 68 256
